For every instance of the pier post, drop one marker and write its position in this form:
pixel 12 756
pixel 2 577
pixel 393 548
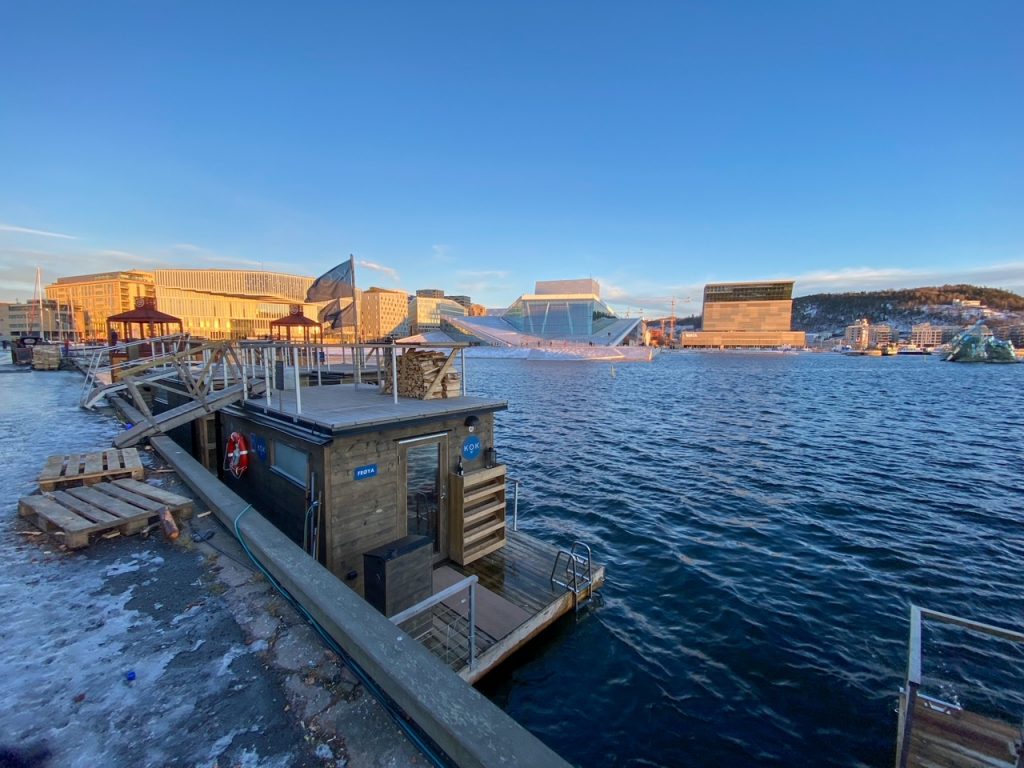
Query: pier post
pixel 298 382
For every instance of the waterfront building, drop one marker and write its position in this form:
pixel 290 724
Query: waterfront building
pixel 231 303
pixel 561 309
pixel 858 335
pixel 384 313
pixel 427 313
pixel 97 296
pixel 928 335
pixel 465 301
pixel 749 315
pixel 430 293
pixel 46 318
pixel 558 312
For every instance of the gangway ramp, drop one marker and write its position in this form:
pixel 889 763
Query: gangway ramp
pixel 183 414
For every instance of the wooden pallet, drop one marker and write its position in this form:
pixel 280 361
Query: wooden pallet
pixel 126 505
pixel 87 468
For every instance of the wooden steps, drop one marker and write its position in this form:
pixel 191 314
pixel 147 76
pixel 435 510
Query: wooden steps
pixel 477 520
pixel 125 505
pixel 73 468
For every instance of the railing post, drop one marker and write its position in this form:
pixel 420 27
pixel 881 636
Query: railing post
pixel 472 624
pixel 515 505
pixel 462 361
pixel 394 373
pixel 298 382
pixel 266 376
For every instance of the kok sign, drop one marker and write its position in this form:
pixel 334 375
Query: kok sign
pixel 471 448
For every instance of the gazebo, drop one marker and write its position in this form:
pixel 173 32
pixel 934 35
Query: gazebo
pixel 150 321
pixel 295 319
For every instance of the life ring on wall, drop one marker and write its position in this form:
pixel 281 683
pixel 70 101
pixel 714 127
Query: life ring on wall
pixel 236 455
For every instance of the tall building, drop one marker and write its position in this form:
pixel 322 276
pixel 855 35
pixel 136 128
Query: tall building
pixel 751 315
pixel 430 293
pixel 561 309
pixel 463 300
pixel 383 313
pixel 427 313
pixel 230 303
pixel 98 296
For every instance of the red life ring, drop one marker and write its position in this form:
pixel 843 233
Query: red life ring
pixel 236 455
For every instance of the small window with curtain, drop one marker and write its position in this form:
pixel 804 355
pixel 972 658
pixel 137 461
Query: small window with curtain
pixel 291 462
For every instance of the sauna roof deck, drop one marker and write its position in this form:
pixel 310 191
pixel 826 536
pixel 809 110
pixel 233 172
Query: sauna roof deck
pixel 341 408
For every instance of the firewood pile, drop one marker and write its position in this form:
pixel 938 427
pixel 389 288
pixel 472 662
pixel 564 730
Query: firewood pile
pixel 417 372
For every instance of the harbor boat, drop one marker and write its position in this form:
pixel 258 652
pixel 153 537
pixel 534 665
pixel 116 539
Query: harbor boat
pixel 393 486
pixel 912 349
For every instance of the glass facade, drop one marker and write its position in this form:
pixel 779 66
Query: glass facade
pixel 769 291
pixel 554 317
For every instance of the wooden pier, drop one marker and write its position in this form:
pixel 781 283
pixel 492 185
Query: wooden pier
pixel 86 468
pixel 125 505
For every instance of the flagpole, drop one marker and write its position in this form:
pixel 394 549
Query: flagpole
pixel 356 302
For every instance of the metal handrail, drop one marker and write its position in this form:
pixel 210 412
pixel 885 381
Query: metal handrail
pixel 469 582
pixel 914 667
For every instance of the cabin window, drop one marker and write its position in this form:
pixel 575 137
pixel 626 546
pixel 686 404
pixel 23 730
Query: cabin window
pixel 291 462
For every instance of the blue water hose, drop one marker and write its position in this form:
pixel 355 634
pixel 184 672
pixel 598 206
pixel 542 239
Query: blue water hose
pixel 427 750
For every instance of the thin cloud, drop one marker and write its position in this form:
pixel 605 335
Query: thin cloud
pixel 39 232
pixel 442 252
pixel 389 271
pixel 500 274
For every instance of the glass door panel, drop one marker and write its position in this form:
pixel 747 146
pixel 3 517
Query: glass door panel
pixel 425 494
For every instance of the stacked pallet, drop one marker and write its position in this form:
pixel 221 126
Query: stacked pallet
pixel 419 372
pixel 46 357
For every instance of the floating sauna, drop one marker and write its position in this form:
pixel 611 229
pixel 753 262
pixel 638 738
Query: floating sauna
pixel 402 498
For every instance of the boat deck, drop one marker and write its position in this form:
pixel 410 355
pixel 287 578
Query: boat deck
pixel 948 737
pixel 515 598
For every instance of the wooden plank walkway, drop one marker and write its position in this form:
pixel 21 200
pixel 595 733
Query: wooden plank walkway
pixel 73 468
pixel 947 737
pixel 520 575
pixel 126 505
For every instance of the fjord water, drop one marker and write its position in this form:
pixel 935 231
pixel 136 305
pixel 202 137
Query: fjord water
pixel 766 520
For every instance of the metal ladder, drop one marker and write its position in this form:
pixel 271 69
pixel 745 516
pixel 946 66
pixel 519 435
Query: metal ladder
pixel 576 575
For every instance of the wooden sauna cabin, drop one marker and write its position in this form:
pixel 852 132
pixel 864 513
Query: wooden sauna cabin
pixel 404 500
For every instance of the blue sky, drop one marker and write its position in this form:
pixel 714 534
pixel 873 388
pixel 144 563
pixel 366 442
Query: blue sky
pixel 478 147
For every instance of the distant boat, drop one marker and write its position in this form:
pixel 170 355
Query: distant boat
pixel 912 349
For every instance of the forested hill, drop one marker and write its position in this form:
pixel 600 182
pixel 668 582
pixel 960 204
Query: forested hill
pixel 829 310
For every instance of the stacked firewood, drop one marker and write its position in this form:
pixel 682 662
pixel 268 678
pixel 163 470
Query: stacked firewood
pixel 417 372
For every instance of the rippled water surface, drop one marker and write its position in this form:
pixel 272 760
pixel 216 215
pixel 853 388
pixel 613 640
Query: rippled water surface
pixel 766 520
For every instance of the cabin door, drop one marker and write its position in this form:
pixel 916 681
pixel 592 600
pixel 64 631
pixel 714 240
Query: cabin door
pixel 423 496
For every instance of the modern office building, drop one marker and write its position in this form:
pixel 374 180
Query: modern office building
pixel 750 315
pixel 231 303
pixel 98 296
pixel 428 313
pixel 384 313
pixel 47 318
pixel 430 293
pixel 465 301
